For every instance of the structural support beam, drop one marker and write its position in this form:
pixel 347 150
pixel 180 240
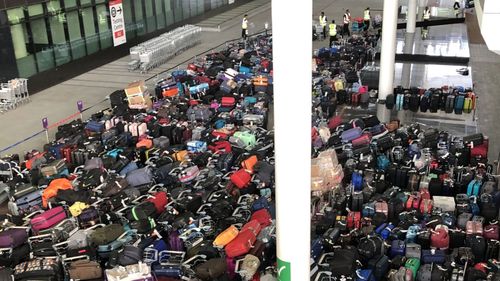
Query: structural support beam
pixel 292 145
pixel 411 16
pixel 406 116
pixel 387 57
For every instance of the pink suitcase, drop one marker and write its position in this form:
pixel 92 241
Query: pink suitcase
pixel 48 219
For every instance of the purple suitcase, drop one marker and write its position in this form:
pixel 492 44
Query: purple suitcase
pixel 351 134
pixel 13 237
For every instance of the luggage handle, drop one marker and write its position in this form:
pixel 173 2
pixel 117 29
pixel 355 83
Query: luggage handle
pixel 323 257
pixel 28 217
pixel 97 203
pixel 200 209
pixel 205 223
pixel 188 262
pixel 145 196
pixel 40 237
pixel 156 187
pixel 164 257
pixel 94 227
pixel 246 197
pixel 125 234
pixel 59 246
pixel 186 234
pixel 71 259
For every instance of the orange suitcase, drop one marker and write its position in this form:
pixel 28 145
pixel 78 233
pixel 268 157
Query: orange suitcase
pixel 226 236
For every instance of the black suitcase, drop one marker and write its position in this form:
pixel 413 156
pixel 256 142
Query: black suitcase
pixel 475 139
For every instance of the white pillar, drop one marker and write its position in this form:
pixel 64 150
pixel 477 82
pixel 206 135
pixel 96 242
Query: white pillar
pixel 411 16
pixel 387 57
pixel 293 142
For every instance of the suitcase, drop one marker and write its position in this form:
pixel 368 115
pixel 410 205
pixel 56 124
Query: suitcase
pixel 57 167
pixel 242 244
pixel 433 256
pixel 13 237
pixel 48 219
pixel 459 104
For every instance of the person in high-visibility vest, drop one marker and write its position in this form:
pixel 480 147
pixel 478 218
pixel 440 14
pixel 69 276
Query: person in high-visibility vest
pixel 322 22
pixel 332 27
pixel 347 21
pixel 244 27
pixel 426 16
pixel 366 18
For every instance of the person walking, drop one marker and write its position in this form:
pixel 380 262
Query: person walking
pixel 366 18
pixel 426 16
pixel 347 21
pixel 456 7
pixel 244 28
pixel 333 33
pixel 322 22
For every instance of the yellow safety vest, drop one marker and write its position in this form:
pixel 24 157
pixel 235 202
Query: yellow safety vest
pixel 333 29
pixel 244 24
pixel 427 14
pixel 367 15
pixel 322 20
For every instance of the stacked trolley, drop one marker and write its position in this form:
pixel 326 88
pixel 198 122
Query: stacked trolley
pixel 13 93
pixel 157 51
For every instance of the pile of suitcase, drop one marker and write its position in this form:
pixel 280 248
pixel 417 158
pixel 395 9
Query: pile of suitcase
pixel 456 100
pixel 180 190
pixel 394 202
pixel 331 90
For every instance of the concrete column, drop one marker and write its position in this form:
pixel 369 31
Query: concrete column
pixel 293 170
pixel 387 57
pixel 17 34
pixel 411 16
pixel 406 116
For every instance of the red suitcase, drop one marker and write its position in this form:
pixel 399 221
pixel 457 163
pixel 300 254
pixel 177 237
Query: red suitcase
pixel 240 178
pixel 160 200
pixel 253 226
pixel 241 245
pixel 228 101
pixel 263 217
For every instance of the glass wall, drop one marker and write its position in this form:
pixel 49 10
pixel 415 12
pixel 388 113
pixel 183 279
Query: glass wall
pixel 56 32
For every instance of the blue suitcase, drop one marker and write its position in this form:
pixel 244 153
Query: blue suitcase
pixel 368 209
pixel 357 181
pixel 316 248
pixel 29 202
pixel 459 104
pixel 365 275
pixel 398 248
pixel 400 101
pixel 433 256
pixel 95 126
pixel 474 188
pixel 245 70
pixel 56 150
pixel 384 230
